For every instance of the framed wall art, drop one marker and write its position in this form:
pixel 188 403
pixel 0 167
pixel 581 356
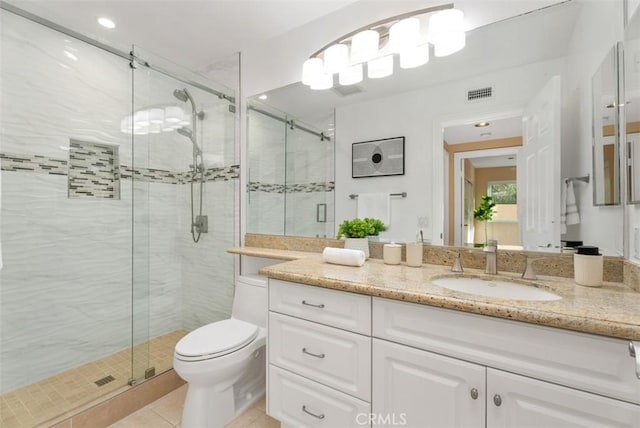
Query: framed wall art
pixel 377 158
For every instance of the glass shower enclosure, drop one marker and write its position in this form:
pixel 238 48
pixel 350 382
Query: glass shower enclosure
pixel 290 188
pixel 101 165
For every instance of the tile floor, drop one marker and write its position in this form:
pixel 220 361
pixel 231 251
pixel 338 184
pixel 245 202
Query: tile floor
pixel 54 396
pixel 167 411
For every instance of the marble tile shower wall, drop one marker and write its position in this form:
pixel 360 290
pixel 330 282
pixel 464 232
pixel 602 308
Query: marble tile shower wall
pixel 66 295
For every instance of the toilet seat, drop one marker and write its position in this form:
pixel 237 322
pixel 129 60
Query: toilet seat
pixel 215 340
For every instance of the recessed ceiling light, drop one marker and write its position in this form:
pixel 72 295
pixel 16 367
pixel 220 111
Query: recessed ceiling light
pixel 106 22
pixel 262 97
pixel 70 55
pixel 481 124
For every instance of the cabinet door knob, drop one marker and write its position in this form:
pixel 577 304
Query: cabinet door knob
pixel 304 409
pixel 497 400
pixel 474 393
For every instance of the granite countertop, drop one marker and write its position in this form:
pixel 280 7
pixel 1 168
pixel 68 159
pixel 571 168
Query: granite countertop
pixel 611 310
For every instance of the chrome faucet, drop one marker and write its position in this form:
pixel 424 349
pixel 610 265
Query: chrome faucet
pixel 529 272
pixel 491 255
pixel 457 264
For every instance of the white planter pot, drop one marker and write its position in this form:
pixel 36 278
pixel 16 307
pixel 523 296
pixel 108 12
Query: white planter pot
pixel 358 244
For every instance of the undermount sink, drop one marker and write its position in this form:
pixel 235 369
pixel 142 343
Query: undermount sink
pixel 496 288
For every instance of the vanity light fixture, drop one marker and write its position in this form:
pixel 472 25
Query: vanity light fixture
pixel 376 44
pixel 482 124
pixel 155 120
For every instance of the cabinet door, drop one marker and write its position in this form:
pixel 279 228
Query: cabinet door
pixel 416 388
pixel 518 401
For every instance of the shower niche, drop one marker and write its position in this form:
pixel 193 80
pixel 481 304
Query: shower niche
pixel 94 170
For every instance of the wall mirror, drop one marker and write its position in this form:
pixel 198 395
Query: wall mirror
pixel 631 108
pixel 606 165
pixel 513 60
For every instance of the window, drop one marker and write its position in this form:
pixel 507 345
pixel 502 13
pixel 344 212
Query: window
pixel 503 192
pixel 505 196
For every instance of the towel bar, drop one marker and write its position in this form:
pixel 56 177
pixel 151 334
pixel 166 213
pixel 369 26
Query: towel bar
pixel 586 179
pixel 402 195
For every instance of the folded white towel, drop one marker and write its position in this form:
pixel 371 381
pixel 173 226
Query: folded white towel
pixel 343 256
pixel 375 205
pixel 573 216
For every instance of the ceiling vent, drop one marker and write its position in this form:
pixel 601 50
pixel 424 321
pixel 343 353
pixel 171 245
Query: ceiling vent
pixel 480 94
pixel 345 91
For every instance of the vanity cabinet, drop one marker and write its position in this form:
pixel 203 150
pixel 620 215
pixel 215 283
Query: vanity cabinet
pixel 363 361
pixel 319 349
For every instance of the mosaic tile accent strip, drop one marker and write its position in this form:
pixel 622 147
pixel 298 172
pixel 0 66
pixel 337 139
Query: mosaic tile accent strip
pixel 33 163
pixel 46 165
pixel 256 186
pixel 94 170
pixel 154 175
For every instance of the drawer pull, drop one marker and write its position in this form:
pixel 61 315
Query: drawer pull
pixel 304 350
pixel 304 409
pixel 320 306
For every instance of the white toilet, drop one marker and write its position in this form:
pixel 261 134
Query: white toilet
pixel 224 362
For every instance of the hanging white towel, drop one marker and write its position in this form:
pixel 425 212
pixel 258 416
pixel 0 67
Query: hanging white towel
pixel 375 205
pixel 563 208
pixel 571 207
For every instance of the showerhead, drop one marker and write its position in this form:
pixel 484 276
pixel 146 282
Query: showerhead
pixel 186 132
pixel 181 94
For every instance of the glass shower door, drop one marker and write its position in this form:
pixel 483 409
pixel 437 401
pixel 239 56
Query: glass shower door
pixel 184 178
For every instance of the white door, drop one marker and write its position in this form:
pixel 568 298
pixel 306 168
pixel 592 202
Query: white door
pixel 538 170
pixel 518 401
pixel 414 388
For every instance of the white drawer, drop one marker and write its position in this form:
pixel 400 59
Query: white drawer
pixel 583 361
pixel 340 309
pixel 333 357
pixel 299 402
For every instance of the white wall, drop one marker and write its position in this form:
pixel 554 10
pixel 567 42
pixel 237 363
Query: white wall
pixel 598 28
pixel 415 115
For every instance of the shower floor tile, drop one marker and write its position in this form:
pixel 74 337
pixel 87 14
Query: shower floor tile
pixel 52 397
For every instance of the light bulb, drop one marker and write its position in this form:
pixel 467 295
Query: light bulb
pixel 364 46
pixel 351 75
pixel 380 67
pixel 172 114
pixel 414 57
pixel 404 35
pixel 311 69
pixel 141 118
pixel 446 31
pixel 336 58
pixel 324 81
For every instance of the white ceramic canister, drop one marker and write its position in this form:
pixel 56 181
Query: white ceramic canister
pixel 414 254
pixel 588 266
pixel 392 254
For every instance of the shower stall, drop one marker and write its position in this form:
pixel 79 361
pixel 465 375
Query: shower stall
pixel 290 168
pixel 118 180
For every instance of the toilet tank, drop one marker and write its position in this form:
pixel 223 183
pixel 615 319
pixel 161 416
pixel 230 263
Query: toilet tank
pixel 250 299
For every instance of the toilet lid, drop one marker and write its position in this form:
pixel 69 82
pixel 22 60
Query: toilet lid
pixel 219 338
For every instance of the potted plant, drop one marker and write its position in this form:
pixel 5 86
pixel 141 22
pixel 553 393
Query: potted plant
pixel 357 231
pixel 484 212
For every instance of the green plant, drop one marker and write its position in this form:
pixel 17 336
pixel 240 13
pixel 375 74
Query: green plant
pixel 484 212
pixel 360 228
